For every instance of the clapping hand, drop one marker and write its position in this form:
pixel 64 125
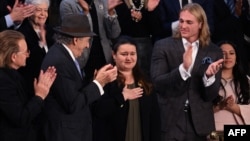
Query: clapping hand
pixel 106 74
pixel 85 6
pixel 112 4
pixel 231 105
pixel 214 67
pixel 20 11
pixel 43 83
pixel 187 57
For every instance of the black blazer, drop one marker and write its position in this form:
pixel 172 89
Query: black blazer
pixel 227 26
pixel 17 111
pixel 3 12
pixel 34 62
pixel 110 115
pixel 173 90
pixel 67 109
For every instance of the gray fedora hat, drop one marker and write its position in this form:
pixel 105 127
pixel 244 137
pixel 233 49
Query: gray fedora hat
pixel 75 25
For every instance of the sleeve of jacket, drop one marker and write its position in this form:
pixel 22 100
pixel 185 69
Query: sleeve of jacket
pixel 15 108
pixel 72 95
pixel 110 102
pixel 112 26
pixel 155 119
pixel 3 25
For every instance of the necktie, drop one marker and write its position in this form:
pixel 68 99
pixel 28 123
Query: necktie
pixel 231 5
pixel 78 67
pixel 184 2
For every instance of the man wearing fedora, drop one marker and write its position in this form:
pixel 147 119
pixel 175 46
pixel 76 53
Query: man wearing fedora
pixel 67 108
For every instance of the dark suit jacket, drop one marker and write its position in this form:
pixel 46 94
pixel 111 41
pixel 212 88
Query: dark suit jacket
pixel 173 90
pixel 67 106
pixel 3 11
pixel 17 111
pixel 110 115
pixel 34 62
pixel 149 26
pixel 228 27
pixel 170 12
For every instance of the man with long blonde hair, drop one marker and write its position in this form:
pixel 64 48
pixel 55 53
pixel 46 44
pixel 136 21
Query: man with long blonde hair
pixel 186 72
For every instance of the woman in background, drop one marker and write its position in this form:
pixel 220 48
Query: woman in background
pixel 39 38
pixel 232 107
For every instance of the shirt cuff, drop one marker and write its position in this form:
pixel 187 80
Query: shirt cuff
pixel 111 17
pixel 184 74
pixel 208 81
pixel 9 21
pixel 99 86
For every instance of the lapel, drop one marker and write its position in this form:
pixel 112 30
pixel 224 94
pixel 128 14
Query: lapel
pixel 176 5
pixel 71 61
pixel 179 50
pixel 198 1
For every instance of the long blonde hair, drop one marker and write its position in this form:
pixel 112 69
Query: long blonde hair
pixel 196 10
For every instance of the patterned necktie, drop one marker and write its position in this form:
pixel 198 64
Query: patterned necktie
pixel 231 5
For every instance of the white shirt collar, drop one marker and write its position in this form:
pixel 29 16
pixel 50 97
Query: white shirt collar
pixel 186 43
pixel 69 51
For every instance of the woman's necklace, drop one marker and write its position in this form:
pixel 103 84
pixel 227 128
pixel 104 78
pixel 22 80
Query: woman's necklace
pixel 134 7
pixel 136 12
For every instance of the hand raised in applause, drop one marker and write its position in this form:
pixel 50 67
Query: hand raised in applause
pixel 231 105
pixel 20 11
pixel 214 67
pixel 228 104
pixel 130 94
pixel 43 83
pixel 85 6
pixel 106 74
pixel 112 4
pixel 187 57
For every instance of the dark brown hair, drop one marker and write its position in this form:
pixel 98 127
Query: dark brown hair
pixel 138 75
